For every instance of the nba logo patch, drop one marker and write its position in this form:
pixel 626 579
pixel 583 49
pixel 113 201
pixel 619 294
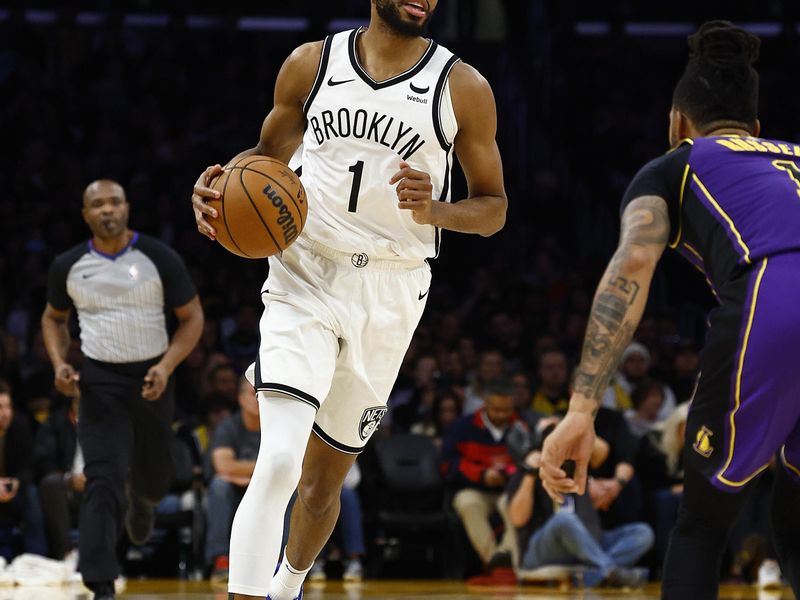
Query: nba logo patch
pixel 702 444
pixel 370 421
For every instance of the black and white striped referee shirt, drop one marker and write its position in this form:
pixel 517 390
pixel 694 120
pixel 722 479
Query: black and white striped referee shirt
pixel 121 299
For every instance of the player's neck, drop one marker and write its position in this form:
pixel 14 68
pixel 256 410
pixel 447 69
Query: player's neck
pixel 385 53
pixel 113 245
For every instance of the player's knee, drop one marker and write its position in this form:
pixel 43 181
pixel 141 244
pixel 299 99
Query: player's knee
pixel 318 497
pixel 277 470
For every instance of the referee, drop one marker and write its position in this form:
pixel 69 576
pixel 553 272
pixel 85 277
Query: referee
pixel 121 283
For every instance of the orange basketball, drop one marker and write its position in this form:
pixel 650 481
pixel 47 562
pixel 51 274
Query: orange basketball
pixel 263 207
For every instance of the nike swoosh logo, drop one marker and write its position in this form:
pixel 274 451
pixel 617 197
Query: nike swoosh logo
pixel 417 90
pixel 421 295
pixel 332 83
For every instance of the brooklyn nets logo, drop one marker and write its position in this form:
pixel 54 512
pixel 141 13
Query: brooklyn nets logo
pixel 359 260
pixel 370 420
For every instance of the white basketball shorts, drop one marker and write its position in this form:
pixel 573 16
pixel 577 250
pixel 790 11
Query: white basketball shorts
pixel 334 332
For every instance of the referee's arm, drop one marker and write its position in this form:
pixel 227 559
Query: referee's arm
pixel 190 328
pixel 56 340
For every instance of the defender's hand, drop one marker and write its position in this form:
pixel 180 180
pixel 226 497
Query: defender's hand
pixel 199 200
pixel 573 439
pixel 66 380
pixel 155 382
pixel 414 192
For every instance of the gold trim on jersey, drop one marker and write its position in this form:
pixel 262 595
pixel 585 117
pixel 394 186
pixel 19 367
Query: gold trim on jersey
pixel 725 216
pixel 738 388
pixel 680 207
pixel 788 465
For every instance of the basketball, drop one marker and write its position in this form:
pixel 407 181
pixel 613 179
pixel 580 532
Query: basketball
pixel 262 209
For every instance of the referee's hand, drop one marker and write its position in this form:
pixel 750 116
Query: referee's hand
pixel 66 380
pixel 155 382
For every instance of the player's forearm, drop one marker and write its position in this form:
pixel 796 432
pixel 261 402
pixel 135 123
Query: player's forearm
pixel 56 340
pixel 617 309
pixel 620 299
pixel 484 215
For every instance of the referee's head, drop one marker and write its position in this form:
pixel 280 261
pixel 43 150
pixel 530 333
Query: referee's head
pixel 105 208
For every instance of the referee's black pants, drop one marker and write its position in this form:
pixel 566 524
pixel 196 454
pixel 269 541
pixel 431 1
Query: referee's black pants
pixel 125 440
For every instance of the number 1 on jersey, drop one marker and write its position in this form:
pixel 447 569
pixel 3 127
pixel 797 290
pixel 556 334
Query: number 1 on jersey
pixel 357 170
pixel 791 168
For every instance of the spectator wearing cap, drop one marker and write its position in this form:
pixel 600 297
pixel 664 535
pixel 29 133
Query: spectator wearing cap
pixel 477 465
pixel 634 367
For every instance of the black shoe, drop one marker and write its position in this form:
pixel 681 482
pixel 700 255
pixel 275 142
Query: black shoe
pixel 139 519
pixel 103 590
pixel 501 560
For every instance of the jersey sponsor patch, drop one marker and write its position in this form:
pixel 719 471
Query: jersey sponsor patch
pixel 370 421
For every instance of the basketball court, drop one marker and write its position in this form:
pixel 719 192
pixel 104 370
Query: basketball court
pixel 377 590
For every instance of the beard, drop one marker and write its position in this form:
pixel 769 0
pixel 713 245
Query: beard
pixel 390 13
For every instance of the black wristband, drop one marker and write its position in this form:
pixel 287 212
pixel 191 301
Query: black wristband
pixel 529 470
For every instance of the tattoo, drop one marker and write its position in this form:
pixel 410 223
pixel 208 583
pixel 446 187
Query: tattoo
pixel 615 311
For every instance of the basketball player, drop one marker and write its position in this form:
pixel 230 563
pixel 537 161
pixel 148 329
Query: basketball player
pixel 730 203
pixel 379 112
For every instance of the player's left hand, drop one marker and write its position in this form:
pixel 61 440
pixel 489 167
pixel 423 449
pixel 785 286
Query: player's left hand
pixel 155 382
pixel 414 192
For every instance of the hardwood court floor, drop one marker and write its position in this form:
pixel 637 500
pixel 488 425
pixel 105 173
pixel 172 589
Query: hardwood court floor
pixel 375 590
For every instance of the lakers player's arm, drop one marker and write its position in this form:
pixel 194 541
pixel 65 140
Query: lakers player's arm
pixel 484 210
pixel 620 298
pixel 281 132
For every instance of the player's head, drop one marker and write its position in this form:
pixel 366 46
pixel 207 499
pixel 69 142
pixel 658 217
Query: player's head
pixel 719 87
pixel 408 18
pixel 105 208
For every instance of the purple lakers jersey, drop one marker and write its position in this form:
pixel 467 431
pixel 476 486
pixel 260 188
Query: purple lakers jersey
pixel 732 201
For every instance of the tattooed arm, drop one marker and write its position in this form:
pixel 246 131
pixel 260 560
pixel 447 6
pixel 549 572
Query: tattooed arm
pixel 620 298
pixel 617 309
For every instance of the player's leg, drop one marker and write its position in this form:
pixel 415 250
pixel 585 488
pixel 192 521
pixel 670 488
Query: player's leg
pixel 743 411
pixel 785 515
pixel 258 525
pixel 694 554
pixel 314 515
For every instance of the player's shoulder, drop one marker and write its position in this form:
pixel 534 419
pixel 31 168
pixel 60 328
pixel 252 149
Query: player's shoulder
pixel 464 78
pixel 306 56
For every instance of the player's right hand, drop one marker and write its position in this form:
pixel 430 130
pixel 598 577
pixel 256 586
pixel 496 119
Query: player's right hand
pixel 200 202
pixel 66 380
pixel 572 439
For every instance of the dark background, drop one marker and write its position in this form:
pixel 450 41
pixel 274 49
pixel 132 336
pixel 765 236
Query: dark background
pixel 139 91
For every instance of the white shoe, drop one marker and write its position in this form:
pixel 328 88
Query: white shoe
pixel 317 572
pixel 769 575
pixel 354 571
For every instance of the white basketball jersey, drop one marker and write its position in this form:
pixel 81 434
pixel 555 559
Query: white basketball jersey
pixel 357 132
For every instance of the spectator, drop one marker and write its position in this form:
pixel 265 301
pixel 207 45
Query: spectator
pixel 647 398
pixel 446 409
pixel 552 394
pixel 659 462
pixel 571 534
pixel 58 462
pixel 222 379
pixel 351 531
pixel 16 472
pixel 685 367
pixel 477 464
pixel 414 402
pixel 491 367
pixel 634 367
pixel 216 408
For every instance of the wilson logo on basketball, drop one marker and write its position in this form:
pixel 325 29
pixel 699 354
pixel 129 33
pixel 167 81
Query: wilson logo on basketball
pixel 370 420
pixel 286 219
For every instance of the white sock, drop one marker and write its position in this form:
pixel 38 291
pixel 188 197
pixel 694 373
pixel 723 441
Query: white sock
pixel 287 581
pixel 258 525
